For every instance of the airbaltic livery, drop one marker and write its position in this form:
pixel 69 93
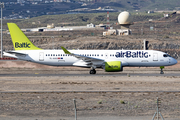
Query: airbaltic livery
pixel 109 60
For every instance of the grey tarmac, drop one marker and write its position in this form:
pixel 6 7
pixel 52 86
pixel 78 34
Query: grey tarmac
pixel 91 75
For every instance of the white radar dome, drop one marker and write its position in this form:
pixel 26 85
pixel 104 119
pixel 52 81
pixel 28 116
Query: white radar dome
pixel 125 18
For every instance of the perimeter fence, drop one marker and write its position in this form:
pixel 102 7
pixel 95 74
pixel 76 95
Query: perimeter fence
pixel 89 104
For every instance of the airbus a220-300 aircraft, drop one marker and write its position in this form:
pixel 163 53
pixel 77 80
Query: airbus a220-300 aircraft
pixel 109 60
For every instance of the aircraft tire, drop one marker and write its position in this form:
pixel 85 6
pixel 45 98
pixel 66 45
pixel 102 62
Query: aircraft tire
pixel 92 71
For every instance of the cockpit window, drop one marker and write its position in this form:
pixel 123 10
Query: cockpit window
pixel 169 56
pixel 166 55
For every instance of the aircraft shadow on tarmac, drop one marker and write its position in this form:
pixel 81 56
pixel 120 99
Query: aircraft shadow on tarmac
pixel 113 74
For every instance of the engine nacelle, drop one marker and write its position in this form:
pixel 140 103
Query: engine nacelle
pixel 113 66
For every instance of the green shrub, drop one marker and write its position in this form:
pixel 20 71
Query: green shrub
pixel 122 102
pixel 100 102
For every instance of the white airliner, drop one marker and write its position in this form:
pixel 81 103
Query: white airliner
pixel 109 60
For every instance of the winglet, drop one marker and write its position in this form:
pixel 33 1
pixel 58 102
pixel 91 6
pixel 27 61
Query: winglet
pixel 65 50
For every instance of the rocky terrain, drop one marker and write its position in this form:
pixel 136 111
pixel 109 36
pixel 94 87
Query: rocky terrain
pixel 169 46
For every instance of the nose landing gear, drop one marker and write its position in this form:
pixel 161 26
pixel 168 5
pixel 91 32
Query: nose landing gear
pixel 162 67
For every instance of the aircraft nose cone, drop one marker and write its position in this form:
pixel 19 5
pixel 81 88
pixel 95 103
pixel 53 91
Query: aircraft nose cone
pixel 174 61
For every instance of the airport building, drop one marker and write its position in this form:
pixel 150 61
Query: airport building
pixel 125 20
pixel 51 27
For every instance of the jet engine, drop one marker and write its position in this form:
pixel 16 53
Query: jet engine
pixel 113 66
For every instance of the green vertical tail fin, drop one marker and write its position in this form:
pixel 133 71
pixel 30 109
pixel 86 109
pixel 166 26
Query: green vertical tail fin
pixel 19 39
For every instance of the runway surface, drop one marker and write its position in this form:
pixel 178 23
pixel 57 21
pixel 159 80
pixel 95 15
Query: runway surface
pixel 56 87
pixel 114 74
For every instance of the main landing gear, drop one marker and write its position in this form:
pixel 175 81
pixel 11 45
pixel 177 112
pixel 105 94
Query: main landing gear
pixel 92 71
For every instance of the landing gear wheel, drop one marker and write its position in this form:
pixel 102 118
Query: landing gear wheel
pixel 161 67
pixel 92 71
pixel 161 71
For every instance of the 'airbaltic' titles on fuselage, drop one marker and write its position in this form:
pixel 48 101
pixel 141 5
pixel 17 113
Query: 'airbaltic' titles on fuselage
pixel 130 54
pixel 22 45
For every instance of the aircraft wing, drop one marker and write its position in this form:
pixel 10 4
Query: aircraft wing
pixel 80 57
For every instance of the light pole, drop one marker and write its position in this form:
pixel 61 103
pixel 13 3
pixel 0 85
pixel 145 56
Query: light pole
pixel 2 6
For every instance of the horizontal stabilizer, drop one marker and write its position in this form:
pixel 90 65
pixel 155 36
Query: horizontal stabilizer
pixel 16 53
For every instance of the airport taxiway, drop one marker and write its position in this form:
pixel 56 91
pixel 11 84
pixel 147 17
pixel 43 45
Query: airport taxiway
pixel 90 75
pixel 79 81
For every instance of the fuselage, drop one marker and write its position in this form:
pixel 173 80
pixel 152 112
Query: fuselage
pixel 131 58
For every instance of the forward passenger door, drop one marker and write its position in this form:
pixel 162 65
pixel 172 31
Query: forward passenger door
pixel 155 56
